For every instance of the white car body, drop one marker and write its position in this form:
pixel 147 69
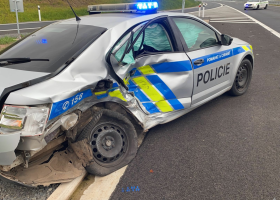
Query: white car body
pixel 256 4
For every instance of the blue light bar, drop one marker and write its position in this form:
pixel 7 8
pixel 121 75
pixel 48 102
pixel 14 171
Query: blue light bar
pixel 147 6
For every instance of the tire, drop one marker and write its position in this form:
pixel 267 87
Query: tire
pixel 265 6
pixel 244 8
pixel 113 140
pixel 258 7
pixel 241 83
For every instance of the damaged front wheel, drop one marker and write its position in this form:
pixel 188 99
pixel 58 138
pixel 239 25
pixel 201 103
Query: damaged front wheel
pixel 113 142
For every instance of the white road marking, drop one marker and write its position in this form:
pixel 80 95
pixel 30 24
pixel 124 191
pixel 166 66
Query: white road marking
pixel 260 23
pixel 20 29
pixel 28 23
pixel 231 18
pixel 237 22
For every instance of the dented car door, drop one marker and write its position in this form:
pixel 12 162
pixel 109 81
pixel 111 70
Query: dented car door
pixel 155 71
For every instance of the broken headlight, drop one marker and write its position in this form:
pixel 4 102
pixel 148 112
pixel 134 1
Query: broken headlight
pixel 30 121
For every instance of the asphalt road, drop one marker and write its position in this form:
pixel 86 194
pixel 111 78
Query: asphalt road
pixel 227 149
pixel 28 27
pixel 270 17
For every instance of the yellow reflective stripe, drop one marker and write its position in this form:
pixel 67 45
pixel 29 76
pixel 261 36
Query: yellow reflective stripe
pixel 245 48
pixel 251 47
pixel 126 81
pixel 100 93
pixel 118 94
pixel 164 106
pixel 153 94
pixel 150 91
pixel 146 70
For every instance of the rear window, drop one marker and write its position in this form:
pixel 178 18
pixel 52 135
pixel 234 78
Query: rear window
pixel 56 42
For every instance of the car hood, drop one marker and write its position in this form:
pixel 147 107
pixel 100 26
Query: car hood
pixel 12 79
pixel 239 42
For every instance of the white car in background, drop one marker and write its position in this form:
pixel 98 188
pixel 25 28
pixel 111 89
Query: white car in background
pixel 256 4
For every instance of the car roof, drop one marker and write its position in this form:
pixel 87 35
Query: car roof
pixel 110 20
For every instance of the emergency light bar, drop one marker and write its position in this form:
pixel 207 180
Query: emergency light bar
pixel 141 7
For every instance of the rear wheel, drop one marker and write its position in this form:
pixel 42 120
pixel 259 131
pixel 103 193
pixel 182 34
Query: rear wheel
pixel 244 8
pixel 113 141
pixel 265 6
pixel 242 79
pixel 258 7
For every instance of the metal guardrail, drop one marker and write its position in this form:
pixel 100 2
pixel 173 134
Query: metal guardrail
pixel 277 3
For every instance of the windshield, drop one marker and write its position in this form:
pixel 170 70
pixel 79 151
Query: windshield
pixel 56 42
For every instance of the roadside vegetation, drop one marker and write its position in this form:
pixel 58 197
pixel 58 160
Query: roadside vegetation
pixel 7 40
pixel 59 9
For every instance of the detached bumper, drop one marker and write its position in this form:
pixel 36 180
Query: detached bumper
pixel 8 144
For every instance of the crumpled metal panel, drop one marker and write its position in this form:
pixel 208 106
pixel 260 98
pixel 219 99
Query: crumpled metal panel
pixel 8 144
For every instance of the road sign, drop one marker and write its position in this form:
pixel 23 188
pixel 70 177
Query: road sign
pixel 19 5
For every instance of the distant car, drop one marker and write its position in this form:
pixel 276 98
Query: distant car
pixel 256 4
pixel 76 95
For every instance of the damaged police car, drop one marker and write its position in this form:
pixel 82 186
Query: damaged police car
pixel 76 95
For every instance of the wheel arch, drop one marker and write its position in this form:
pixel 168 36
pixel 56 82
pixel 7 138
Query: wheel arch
pixel 250 58
pixel 117 107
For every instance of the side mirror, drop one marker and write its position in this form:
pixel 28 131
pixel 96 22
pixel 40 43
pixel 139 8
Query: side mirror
pixel 226 40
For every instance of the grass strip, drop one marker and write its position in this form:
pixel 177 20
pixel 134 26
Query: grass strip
pixel 59 9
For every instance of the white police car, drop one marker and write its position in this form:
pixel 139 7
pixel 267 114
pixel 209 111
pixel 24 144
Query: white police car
pixel 256 4
pixel 77 93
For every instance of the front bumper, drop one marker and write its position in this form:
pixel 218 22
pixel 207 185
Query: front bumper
pixel 250 6
pixel 8 144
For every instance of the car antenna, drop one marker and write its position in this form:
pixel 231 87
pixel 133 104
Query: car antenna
pixel 77 18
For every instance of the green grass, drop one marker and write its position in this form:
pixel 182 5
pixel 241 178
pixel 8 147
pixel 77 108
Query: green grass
pixel 7 40
pixel 59 9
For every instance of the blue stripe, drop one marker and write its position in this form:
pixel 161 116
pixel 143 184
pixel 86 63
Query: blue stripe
pixel 137 73
pixel 137 92
pixel 102 96
pixel 115 85
pixel 161 86
pixel 166 67
pixel 131 86
pixel 176 104
pixel 61 107
pixel 238 50
pixel 150 107
pixel 212 58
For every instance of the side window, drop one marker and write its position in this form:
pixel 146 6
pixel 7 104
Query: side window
pixel 154 39
pixel 121 46
pixel 196 35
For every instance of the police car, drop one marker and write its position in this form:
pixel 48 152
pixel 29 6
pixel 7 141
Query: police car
pixel 76 94
pixel 256 4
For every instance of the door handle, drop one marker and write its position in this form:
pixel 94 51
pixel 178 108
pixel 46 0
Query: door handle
pixel 199 62
pixel 132 72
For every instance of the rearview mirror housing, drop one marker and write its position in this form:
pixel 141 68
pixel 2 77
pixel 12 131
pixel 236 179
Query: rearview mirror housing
pixel 226 40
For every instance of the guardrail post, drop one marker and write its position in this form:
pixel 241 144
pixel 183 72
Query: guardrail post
pixel 199 9
pixel 39 13
pixel 203 8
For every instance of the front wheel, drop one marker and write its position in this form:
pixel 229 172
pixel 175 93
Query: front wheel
pixel 113 141
pixel 242 79
pixel 258 7
pixel 244 8
pixel 265 6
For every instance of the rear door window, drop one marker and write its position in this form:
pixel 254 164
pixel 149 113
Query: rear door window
pixel 153 40
pixel 196 34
